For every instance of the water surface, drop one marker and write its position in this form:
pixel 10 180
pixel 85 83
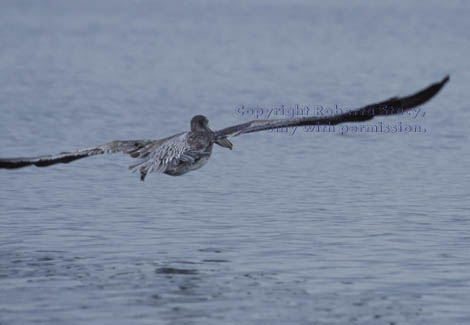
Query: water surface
pixel 313 228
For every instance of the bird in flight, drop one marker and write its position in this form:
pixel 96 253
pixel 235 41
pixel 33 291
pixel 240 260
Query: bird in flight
pixel 187 151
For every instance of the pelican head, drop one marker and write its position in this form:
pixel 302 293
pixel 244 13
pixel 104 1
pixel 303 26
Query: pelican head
pixel 200 123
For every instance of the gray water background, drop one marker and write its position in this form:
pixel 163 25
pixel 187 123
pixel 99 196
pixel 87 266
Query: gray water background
pixel 313 228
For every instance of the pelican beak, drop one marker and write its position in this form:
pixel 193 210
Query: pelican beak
pixel 224 143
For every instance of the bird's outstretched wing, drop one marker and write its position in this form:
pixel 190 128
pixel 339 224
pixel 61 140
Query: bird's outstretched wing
pixel 153 155
pixel 135 148
pixel 395 105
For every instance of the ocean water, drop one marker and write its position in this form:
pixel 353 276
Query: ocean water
pixel 344 226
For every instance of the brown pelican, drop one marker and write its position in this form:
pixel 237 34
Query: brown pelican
pixel 186 151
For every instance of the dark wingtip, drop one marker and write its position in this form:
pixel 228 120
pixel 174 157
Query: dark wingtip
pixel 13 163
pixel 427 93
pixel 438 85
